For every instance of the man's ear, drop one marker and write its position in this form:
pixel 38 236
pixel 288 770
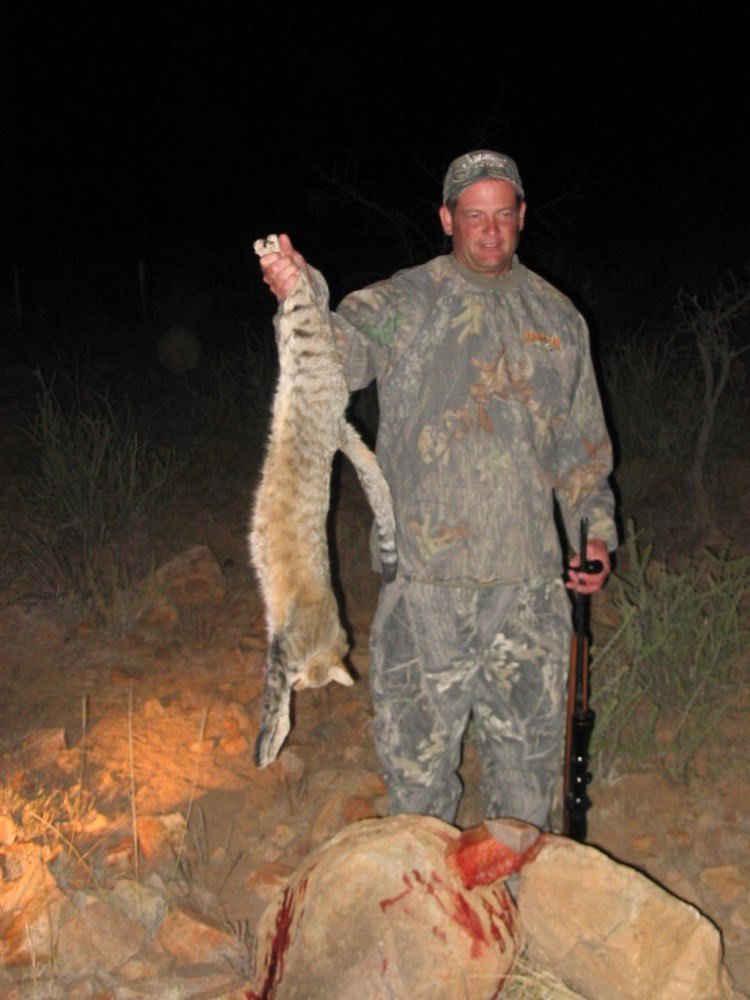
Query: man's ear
pixel 521 215
pixel 446 220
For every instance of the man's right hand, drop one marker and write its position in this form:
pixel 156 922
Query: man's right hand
pixel 281 270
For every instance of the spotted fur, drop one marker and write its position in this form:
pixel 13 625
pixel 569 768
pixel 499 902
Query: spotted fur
pixel 288 540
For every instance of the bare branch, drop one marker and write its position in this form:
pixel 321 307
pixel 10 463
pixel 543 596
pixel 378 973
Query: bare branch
pixel 713 326
pixel 344 188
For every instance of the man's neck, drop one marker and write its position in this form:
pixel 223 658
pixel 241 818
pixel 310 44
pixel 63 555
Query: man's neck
pixel 491 282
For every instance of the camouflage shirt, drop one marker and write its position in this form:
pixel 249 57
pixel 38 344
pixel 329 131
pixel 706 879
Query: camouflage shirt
pixel 488 406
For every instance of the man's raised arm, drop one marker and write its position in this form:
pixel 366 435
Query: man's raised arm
pixel 281 270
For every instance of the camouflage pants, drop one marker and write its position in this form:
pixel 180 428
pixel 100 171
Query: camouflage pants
pixel 499 654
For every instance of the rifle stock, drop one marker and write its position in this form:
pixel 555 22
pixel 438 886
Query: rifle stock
pixel 580 718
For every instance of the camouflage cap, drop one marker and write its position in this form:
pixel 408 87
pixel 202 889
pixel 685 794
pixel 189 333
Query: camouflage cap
pixel 477 166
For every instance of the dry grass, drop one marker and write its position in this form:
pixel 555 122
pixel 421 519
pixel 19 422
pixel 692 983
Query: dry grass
pixel 676 665
pixel 528 982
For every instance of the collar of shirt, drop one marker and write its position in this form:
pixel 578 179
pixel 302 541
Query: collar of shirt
pixel 503 283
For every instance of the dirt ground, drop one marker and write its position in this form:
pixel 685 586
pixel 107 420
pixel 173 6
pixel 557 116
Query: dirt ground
pixel 162 719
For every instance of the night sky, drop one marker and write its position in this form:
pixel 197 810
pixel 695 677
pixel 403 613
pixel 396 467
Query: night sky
pixel 176 132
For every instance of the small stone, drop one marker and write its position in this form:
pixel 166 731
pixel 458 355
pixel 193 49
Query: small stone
pixel 40 748
pixel 140 902
pixel 192 579
pixel 149 963
pixel 193 938
pixel 329 819
pixel 706 820
pixel 233 746
pixel 358 807
pixel 8 830
pixel 381 804
pixel 207 983
pixel 230 725
pixel 740 917
pixel 644 843
pixel 283 834
pixel 513 833
pixel 94 823
pixel 97 936
pixel 726 881
pixel 153 709
pixel 239 716
pixel 202 746
pixel 165 617
pixel 252 644
pixel 700 762
pixel 119 854
pixel 268 851
pixel 268 879
pixel 219 855
pixel 88 988
pixel 203 899
pixel 291 764
pixel 159 837
pixel 679 885
pixel 680 837
pixel 362 781
pixel 82 628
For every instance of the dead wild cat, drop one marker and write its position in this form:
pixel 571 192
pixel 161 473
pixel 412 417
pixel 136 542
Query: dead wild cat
pixel 288 541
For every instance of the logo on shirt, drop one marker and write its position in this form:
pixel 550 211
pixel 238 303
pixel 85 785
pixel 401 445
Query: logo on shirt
pixel 542 340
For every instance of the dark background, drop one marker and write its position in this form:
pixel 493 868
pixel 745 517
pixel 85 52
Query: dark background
pixel 175 134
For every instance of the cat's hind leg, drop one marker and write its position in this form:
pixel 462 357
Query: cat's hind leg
pixel 277 694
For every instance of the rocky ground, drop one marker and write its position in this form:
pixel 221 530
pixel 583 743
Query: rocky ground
pixel 152 730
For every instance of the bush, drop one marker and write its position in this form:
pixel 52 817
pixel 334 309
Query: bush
pixel 675 665
pixel 234 389
pixel 674 420
pixel 94 476
pixel 654 394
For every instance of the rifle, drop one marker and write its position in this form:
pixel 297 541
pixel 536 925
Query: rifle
pixel 580 716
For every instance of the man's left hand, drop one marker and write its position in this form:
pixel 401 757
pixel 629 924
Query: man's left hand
pixel 589 583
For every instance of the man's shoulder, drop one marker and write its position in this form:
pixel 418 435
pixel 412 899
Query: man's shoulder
pixel 432 271
pixel 551 296
pixel 404 281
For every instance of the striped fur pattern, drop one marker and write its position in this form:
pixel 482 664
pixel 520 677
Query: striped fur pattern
pixel 288 540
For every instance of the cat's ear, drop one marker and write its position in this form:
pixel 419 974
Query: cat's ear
pixel 342 676
pixel 322 669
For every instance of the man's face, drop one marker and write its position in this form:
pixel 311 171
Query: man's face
pixel 485 226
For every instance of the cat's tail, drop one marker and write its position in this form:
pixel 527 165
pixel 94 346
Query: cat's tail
pixel 378 494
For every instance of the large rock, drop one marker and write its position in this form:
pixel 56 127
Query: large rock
pixel 613 934
pixel 31 905
pixel 191 579
pixel 382 911
pixel 97 937
pixel 192 937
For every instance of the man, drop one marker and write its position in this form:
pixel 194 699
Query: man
pixel 488 408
